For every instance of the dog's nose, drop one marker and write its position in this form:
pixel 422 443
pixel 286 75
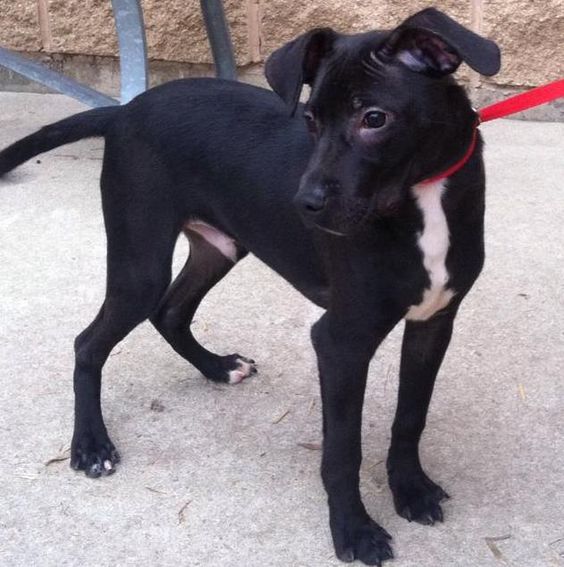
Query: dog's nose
pixel 311 202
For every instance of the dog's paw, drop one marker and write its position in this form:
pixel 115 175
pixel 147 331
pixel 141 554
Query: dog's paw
pixel 239 368
pixel 230 369
pixel 364 540
pixel 95 456
pixel 417 498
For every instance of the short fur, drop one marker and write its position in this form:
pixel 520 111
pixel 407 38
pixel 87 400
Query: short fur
pixel 332 210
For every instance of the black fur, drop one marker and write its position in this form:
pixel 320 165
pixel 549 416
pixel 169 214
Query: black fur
pixel 89 124
pixel 232 155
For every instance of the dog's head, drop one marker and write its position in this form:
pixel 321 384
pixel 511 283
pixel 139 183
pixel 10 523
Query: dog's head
pixel 383 110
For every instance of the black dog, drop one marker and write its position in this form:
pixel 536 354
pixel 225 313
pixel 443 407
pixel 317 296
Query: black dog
pixel 384 239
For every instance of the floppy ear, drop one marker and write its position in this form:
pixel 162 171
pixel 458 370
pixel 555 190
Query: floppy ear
pixel 296 64
pixel 430 42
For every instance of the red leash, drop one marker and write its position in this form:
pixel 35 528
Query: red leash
pixel 511 105
pixel 523 101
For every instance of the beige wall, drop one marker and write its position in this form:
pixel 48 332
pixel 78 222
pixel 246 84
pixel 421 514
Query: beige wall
pixel 529 32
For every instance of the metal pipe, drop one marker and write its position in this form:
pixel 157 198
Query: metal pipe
pixel 220 40
pixel 128 17
pixel 41 74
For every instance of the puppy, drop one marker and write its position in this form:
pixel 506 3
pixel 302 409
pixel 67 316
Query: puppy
pixel 369 200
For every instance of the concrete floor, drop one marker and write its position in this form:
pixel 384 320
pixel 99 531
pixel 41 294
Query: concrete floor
pixel 215 475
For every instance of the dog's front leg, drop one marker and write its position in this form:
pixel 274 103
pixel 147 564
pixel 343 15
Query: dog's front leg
pixel 416 497
pixel 343 352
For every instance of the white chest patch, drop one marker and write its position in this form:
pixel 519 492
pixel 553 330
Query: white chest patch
pixel 434 243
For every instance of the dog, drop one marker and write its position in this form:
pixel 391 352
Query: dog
pixel 368 199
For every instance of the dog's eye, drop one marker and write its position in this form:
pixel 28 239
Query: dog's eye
pixel 374 119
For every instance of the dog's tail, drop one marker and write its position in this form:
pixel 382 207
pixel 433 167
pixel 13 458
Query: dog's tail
pixel 89 124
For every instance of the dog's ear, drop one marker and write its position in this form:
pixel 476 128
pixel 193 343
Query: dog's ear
pixel 430 42
pixel 296 64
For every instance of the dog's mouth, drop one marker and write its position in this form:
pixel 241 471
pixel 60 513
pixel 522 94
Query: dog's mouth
pixel 329 230
pixel 345 215
pixel 353 218
pixel 341 217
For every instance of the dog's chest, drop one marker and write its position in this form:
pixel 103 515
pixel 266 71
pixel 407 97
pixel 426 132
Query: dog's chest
pixel 434 242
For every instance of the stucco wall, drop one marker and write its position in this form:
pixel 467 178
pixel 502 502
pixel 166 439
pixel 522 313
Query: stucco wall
pixel 529 32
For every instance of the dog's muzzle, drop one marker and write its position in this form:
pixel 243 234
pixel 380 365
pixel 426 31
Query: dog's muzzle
pixel 323 206
pixel 311 202
pixel 316 206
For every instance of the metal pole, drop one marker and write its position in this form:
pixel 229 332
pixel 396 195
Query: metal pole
pixel 41 74
pixel 220 41
pixel 128 17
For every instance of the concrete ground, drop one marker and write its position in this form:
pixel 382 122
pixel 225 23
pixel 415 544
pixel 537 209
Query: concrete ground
pixel 217 475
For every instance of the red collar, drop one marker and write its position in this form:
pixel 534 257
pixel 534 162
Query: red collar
pixel 511 105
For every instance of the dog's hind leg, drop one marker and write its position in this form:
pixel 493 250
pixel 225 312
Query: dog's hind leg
pixel 138 274
pixel 212 255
